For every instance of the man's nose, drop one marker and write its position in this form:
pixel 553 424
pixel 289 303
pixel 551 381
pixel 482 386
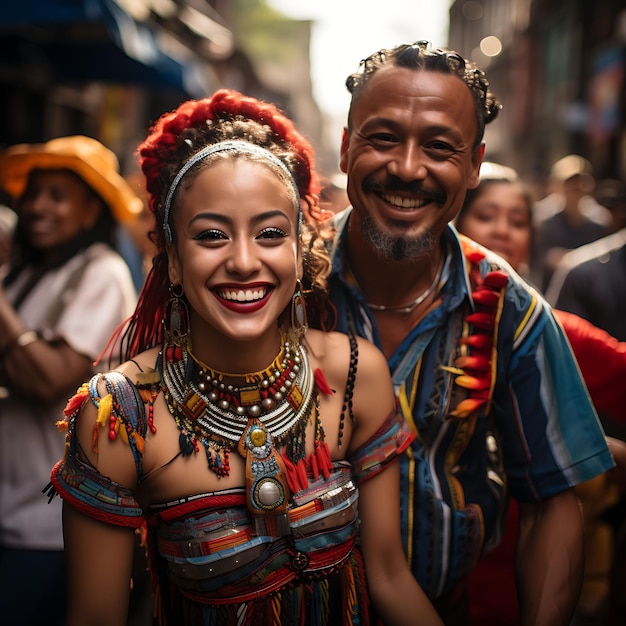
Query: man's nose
pixel 408 163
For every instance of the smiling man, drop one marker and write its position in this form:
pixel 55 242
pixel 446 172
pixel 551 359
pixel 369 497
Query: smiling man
pixel 481 370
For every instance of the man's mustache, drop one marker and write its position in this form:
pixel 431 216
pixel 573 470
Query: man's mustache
pixel 391 184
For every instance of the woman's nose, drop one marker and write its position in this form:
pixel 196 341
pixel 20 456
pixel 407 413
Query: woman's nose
pixel 502 227
pixel 243 259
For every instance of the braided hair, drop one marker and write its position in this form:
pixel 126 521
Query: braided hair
pixel 172 141
pixel 418 56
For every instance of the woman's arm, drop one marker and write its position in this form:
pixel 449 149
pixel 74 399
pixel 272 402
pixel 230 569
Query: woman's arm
pixel 99 554
pixel 31 366
pixel 49 371
pixel 99 560
pixel 395 593
pixel 42 371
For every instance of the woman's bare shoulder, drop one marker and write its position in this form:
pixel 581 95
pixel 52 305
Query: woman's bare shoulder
pixel 333 351
pixel 323 344
pixel 143 362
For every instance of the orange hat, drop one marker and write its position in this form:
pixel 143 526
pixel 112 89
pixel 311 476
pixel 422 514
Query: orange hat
pixel 93 162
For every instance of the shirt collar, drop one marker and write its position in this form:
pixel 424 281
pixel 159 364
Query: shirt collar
pixel 457 285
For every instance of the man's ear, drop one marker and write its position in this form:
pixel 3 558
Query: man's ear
pixel 343 158
pixel 477 158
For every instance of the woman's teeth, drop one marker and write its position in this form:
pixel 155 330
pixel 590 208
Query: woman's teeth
pixel 243 295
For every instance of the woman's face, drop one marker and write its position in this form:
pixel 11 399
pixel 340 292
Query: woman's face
pixel 499 219
pixel 235 251
pixel 55 208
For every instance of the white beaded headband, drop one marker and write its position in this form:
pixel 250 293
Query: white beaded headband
pixel 236 147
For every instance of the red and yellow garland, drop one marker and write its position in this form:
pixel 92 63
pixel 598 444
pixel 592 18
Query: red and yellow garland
pixel 475 367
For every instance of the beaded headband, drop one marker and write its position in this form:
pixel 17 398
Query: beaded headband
pixel 236 147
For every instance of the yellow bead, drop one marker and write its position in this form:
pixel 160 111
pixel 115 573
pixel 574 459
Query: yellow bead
pixel 258 437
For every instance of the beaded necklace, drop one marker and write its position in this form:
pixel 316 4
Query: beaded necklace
pixel 256 414
pixel 210 405
pixel 216 408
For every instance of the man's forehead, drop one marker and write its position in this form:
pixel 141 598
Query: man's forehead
pixel 407 90
pixel 394 80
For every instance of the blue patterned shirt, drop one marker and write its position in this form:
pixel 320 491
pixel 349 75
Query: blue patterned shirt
pixel 539 436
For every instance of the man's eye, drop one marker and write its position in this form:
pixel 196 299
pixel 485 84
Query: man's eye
pixel 383 138
pixel 441 147
pixel 272 233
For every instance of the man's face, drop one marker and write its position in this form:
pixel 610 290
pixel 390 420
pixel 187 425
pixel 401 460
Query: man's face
pixel 409 155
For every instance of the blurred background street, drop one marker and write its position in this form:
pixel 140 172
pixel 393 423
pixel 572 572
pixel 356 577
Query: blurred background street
pixel 108 68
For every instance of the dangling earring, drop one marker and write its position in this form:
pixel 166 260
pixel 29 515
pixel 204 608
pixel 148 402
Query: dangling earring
pixel 176 317
pixel 298 314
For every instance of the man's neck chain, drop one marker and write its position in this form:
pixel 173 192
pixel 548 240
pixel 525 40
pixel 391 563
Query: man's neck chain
pixel 405 309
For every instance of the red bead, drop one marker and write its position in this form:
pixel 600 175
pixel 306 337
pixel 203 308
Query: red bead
pixel 496 279
pixel 481 320
pixel 478 341
pixel 485 297
pixel 474 256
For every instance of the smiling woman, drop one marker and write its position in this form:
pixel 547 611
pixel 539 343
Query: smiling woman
pixel 66 291
pixel 239 257
pixel 250 445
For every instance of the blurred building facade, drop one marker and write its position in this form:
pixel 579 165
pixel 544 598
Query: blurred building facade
pixel 109 68
pixel 559 68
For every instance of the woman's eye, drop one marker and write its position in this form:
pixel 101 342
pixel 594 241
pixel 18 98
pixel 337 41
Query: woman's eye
pixel 210 235
pixel 272 233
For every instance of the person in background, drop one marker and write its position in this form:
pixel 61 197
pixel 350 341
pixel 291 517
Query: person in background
pixel 482 371
pixel 567 218
pixel 8 219
pixel 257 451
pixel 65 293
pixel 591 280
pixel 498 215
pixel 611 193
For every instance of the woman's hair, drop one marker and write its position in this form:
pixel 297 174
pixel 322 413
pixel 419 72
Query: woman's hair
pixel 418 56
pixel 175 138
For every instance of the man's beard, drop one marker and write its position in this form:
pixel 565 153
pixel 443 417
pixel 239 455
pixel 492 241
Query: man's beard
pixel 396 248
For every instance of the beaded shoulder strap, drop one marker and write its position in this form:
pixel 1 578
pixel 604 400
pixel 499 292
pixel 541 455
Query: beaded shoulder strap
pixel 347 398
pixel 121 412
